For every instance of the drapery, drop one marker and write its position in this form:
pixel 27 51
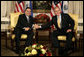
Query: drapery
pixel 6 8
pixel 76 7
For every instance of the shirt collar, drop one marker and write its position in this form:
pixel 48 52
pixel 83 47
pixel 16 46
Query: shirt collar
pixel 26 15
pixel 59 16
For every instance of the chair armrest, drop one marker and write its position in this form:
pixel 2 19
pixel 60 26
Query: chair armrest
pixel 11 30
pixel 75 34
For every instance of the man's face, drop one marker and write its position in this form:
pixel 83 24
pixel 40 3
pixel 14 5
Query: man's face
pixel 57 11
pixel 28 12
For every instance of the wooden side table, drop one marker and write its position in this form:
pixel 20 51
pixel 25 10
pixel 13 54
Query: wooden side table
pixel 36 36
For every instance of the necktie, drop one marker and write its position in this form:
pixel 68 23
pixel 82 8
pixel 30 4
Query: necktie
pixel 28 19
pixel 59 22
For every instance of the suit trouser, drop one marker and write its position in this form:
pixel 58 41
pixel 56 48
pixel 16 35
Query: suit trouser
pixel 18 34
pixel 56 42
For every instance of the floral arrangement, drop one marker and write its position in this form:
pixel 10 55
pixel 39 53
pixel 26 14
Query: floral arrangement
pixel 42 18
pixel 37 50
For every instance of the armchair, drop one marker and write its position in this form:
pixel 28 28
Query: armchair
pixel 13 22
pixel 74 39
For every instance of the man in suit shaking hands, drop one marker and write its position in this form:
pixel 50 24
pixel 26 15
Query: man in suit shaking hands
pixel 64 26
pixel 24 26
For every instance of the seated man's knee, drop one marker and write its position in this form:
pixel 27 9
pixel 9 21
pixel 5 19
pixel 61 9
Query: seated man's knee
pixel 30 34
pixel 70 33
pixel 55 34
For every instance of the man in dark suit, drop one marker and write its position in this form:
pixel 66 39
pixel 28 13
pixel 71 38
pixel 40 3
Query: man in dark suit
pixel 64 26
pixel 24 26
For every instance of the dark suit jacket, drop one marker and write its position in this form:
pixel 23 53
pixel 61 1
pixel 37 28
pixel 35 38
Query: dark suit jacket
pixel 66 22
pixel 22 22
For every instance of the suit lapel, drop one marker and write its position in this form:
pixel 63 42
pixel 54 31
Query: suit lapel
pixel 25 17
pixel 62 19
pixel 29 19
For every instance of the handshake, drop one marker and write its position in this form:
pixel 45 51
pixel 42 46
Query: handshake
pixel 36 26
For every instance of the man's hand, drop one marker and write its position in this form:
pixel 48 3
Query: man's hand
pixel 36 26
pixel 69 30
pixel 26 29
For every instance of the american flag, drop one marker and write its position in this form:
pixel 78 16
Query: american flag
pixel 54 4
pixel 19 6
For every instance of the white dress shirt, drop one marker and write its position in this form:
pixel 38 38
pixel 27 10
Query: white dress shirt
pixel 28 22
pixel 59 17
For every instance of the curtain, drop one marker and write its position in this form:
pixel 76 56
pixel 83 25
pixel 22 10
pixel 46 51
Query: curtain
pixel 3 8
pixel 10 7
pixel 6 8
pixel 76 7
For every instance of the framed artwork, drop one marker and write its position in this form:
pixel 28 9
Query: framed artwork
pixel 42 6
